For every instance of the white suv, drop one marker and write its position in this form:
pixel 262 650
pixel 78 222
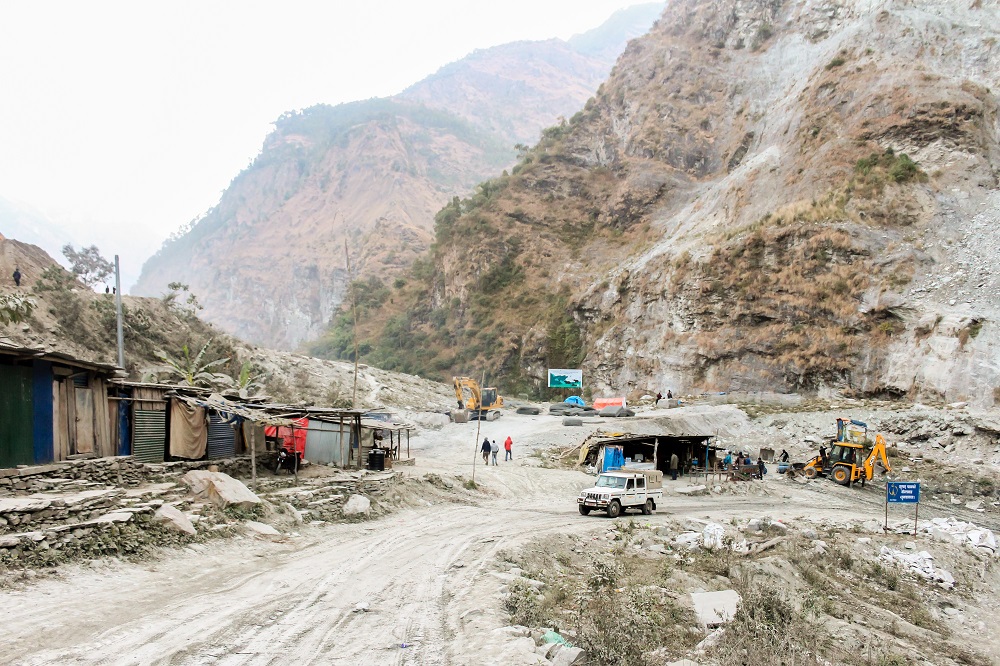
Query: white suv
pixel 624 489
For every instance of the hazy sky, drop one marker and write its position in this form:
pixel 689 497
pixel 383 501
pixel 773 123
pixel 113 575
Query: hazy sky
pixel 123 120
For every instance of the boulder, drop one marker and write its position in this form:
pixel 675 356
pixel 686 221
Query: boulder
pixel 357 504
pixel 173 518
pixel 219 488
pixel 715 608
pixel 569 656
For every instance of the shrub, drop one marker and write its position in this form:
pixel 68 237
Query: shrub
pixel 836 62
pixel 521 604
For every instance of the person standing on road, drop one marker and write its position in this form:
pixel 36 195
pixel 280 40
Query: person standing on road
pixel 761 467
pixel 494 449
pixel 486 450
pixel 508 443
pixel 674 461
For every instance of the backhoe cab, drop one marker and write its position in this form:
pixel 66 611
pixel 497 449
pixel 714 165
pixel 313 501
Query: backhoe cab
pixel 481 403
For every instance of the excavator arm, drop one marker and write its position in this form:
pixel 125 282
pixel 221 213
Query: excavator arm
pixel 878 453
pixel 463 384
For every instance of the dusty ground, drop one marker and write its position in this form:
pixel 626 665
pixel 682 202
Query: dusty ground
pixel 426 573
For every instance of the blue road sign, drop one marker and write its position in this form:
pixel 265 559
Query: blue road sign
pixel 902 492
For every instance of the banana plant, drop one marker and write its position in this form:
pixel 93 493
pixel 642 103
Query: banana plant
pixel 191 371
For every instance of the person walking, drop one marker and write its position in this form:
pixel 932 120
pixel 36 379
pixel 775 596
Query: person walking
pixel 17 276
pixel 486 450
pixel 674 461
pixel 508 443
pixel 494 449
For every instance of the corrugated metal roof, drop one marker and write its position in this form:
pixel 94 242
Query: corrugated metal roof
pixel 8 346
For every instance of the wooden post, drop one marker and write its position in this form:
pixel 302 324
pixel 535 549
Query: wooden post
pixel 253 454
pixel 340 431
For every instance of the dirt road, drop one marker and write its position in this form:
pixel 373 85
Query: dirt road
pixel 423 573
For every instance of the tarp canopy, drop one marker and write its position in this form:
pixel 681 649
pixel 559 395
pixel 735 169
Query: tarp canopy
pixel 575 400
pixel 292 435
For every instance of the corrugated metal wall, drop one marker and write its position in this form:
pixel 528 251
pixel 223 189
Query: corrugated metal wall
pixel 324 444
pixel 16 416
pixel 150 437
pixel 221 437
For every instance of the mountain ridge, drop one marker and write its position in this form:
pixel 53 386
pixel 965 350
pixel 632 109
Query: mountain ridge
pixel 759 197
pixel 268 262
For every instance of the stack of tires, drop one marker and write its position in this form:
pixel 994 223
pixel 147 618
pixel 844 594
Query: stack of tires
pixel 616 411
pixel 570 409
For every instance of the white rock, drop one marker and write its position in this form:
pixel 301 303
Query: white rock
pixel 174 518
pixel 261 528
pixel 357 504
pixel 715 608
pixel 570 656
pixel 712 536
pixel 221 489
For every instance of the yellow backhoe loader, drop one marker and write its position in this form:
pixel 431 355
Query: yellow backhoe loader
pixel 846 462
pixel 481 403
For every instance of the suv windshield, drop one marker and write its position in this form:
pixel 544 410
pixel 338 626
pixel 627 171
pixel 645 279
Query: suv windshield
pixel 610 482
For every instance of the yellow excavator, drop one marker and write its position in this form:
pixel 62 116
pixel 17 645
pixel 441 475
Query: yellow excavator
pixel 481 403
pixel 847 461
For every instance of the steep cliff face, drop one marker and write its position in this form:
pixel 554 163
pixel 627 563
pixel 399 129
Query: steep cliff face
pixel 268 262
pixel 763 194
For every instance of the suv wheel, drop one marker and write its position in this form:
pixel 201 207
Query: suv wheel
pixel 647 508
pixel 614 509
pixel 584 510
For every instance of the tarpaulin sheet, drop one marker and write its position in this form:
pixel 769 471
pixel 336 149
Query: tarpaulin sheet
pixel 601 403
pixel 188 430
pixel 296 434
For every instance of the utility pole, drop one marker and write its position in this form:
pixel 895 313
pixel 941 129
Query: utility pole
pixel 354 309
pixel 118 313
pixel 479 424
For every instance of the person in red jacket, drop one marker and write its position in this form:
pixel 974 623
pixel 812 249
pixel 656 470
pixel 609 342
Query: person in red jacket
pixel 506 445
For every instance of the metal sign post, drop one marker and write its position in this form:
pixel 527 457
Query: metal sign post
pixel 902 492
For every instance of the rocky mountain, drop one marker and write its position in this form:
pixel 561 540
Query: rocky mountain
pixel 268 262
pixel 797 195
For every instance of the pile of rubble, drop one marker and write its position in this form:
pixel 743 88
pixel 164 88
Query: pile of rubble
pixel 920 563
pixel 951 530
pixel 331 498
pixel 81 518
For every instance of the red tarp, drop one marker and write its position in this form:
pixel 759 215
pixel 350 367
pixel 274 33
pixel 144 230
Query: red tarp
pixel 601 403
pixel 296 434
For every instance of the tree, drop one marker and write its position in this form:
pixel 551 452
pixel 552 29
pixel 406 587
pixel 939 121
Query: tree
pixel 15 308
pixel 88 264
pixel 191 306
